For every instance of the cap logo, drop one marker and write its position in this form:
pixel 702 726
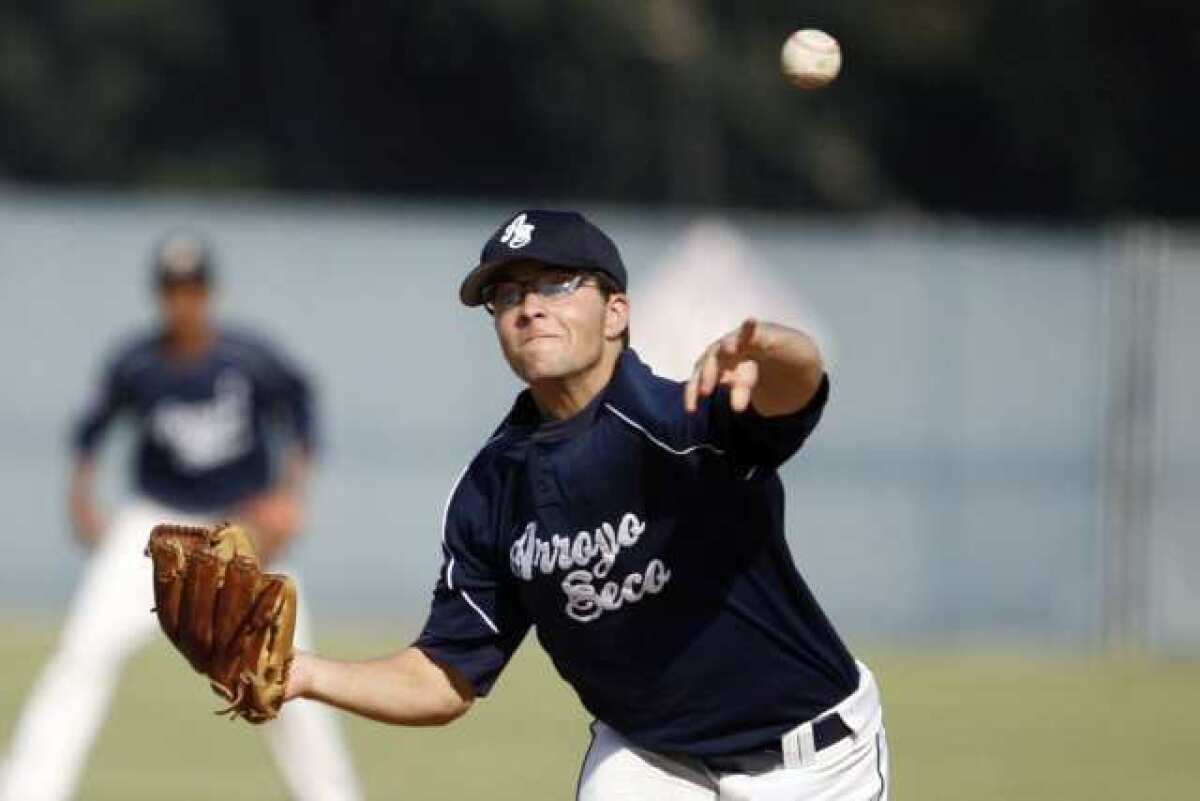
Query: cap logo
pixel 180 257
pixel 518 234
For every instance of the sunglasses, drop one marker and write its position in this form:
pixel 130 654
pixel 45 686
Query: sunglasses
pixel 553 285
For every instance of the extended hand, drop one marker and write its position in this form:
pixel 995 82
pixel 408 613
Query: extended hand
pixel 731 361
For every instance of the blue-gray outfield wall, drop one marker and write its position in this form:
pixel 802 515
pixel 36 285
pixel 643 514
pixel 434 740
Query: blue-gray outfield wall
pixel 955 490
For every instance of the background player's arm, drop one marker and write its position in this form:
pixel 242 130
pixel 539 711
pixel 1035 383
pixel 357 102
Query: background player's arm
pixel 407 688
pixel 86 516
pixel 297 467
pixel 108 399
pixel 776 369
pixel 276 516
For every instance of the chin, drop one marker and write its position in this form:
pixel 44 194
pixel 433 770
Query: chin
pixel 537 362
pixel 535 370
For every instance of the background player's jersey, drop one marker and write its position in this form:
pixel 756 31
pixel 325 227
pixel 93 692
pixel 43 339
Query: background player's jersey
pixel 204 424
pixel 647 547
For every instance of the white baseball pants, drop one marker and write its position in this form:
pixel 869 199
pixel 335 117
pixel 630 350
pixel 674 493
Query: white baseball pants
pixel 110 617
pixel 853 769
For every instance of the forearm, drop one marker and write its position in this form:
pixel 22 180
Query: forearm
pixel 276 516
pixel 82 478
pixel 297 467
pixel 406 689
pixel 790 370
pixel 86 518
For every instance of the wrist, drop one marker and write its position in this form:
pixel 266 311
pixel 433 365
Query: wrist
pixel 300 681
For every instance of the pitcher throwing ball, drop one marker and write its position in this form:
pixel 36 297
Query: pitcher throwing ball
pixel 637 523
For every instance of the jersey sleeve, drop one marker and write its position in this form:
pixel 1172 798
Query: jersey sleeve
pixel 290 393
pixel 476 621
pixel 755 441
pixel 109 395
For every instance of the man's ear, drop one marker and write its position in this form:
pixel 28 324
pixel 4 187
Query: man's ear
pixel 616 315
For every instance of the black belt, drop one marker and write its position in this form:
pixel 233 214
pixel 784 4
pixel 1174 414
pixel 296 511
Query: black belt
pixel 826 732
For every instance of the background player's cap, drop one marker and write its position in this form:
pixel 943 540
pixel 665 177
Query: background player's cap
pixel 182 258
pixel 560 238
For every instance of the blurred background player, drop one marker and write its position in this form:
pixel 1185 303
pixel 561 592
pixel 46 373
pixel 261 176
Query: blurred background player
pixel 210 404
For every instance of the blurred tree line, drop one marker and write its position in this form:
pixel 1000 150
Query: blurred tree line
pixel 1064 109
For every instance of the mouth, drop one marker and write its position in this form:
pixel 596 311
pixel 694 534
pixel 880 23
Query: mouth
pixel 537 338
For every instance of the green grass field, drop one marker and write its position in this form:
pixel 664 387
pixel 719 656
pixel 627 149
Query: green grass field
pixel 984 727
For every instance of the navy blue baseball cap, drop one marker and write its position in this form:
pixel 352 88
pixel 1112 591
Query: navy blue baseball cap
pixel 555 238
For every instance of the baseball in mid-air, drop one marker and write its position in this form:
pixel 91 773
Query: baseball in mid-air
pixel 811 59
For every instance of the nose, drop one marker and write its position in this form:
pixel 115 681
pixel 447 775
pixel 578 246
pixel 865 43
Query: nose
pixel 531 305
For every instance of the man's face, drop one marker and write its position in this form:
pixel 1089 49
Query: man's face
pixel 547 338
pixel 184 306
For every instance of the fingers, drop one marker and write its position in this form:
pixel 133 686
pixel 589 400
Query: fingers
pixel 718 364
pixel 705 376
pixel 747 334
pixel 710 371
pixel 738 345
pixel 730 343
pixel 741 382
pixel 691 390
pixel 739 395
pixel 694 390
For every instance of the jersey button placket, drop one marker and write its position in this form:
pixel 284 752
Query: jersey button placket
pixel 546 495
pixel 545 490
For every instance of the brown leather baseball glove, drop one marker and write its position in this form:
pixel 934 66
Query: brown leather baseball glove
pixel 231 621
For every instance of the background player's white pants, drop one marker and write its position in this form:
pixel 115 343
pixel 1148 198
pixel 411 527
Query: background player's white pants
pixel 854 769
pixel 110 617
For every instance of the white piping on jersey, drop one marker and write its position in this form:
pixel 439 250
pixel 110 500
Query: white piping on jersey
pixel 446 547
pixel 446 523
pixel 486 619
pixel 691 448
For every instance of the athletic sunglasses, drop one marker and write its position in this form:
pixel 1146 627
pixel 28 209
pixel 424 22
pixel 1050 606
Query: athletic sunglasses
pixel 550 286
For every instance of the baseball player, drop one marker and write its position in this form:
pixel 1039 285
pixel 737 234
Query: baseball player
pixel 637 524
pixel 210 404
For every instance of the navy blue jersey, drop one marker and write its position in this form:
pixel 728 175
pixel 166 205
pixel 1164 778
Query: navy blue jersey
pixel 204 425
pixel 646 546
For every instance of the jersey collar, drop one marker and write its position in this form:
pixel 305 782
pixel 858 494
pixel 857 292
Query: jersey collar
pixel 626 387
